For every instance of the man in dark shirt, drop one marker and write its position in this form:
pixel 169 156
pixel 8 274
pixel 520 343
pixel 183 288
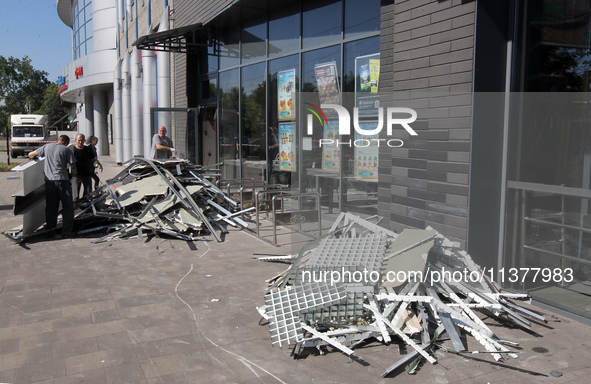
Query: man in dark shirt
pixel 92 142
pixel 57 184
pixel 85 159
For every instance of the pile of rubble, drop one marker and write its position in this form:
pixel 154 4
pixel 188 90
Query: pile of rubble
pixel 361 282
pixel 173 198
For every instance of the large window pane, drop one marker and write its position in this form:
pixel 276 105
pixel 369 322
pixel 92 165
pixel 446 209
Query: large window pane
pixel 322 22
pixel 284 29
pixel 352 51
pixel 286 66
pixel 208 60
pixel 88 12
pixel 555 139
pixel 253 36
pixel 361 17
pixel 89 29
pixel 319 56
pixel 550 233
pixel 229 123
pixel 312 158
pixel 361 195
pixel 549 167
pixel 253 133
pixel 229 46
pixel 557 47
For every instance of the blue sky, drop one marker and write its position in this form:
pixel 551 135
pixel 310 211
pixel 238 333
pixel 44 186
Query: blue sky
pixel 33 28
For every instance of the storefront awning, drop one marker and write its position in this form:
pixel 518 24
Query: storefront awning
pixel 183 39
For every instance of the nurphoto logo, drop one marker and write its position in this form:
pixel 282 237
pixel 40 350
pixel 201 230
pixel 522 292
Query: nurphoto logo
pixel 395 116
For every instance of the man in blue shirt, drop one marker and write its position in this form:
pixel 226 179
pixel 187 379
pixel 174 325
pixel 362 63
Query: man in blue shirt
pixel 57 184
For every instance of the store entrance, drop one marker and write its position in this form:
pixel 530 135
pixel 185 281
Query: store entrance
pixel 181 124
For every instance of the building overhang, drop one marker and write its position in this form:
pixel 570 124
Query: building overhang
pixel 64 11
pixel 183 39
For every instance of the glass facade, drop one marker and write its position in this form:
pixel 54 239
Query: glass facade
pixel 229 123
pixel 548 224
pixel 82 28
pixel 265 56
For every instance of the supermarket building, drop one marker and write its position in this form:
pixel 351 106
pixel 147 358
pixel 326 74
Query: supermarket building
pixel 501 161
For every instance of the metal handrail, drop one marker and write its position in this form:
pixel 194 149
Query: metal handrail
pixel 217 183
pixel 256 202
pixel 254 186
pixel 298 195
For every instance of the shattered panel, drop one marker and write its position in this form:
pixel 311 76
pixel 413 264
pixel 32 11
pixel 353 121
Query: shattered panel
pixel 285 305
pixel 367 251
pixel 423 308
pixel 138 190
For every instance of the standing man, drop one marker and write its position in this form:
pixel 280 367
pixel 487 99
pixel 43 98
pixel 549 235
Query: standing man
pixel 92 142
pixel 161 145
pixel 86 160
pixel 57 184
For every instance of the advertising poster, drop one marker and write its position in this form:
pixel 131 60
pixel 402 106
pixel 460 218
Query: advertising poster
pixel 331 154
pixel 286 87
pixel 287 150
pixel 367 81
pixel 374 74
pixel 366 153
pixel 327 82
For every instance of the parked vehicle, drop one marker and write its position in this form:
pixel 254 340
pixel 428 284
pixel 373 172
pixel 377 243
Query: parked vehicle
pixel 29 132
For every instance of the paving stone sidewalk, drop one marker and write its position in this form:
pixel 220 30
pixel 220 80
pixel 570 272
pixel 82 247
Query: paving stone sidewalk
pixel 170 311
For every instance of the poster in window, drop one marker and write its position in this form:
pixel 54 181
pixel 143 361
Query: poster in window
pixel 287 149
pixel 331 154
pixel 367 81
pixel 327 83
pixel 366 153
pixel 286 87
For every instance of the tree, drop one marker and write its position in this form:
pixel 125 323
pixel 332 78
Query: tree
pixel 22 87
pixel 52 105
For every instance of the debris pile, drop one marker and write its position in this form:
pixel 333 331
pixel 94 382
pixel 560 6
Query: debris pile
pixel 361 282
pixel 172 198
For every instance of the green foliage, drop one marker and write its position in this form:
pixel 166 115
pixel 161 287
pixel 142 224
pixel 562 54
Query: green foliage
pixel 4 119
pixel 4 167
pixel 22 87
pixel 52 105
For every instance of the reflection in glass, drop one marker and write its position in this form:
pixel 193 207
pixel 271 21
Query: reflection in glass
pixel 558 46
pixel 551 237
pixel 253 132
pixel 229 124
pixel 352 51
pixel 322 22
pixel 229 46
pixel 360 182
pixel 253 37
pixel 361 17
pixel 208 60
pixel 555 139
pixel 548 217
pixel 284 29
pixel 208 88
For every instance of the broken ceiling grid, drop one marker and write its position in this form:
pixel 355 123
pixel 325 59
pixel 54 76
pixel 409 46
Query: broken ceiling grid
pixel 424 308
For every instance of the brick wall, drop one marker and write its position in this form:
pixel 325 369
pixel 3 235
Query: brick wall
pixel 427 50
